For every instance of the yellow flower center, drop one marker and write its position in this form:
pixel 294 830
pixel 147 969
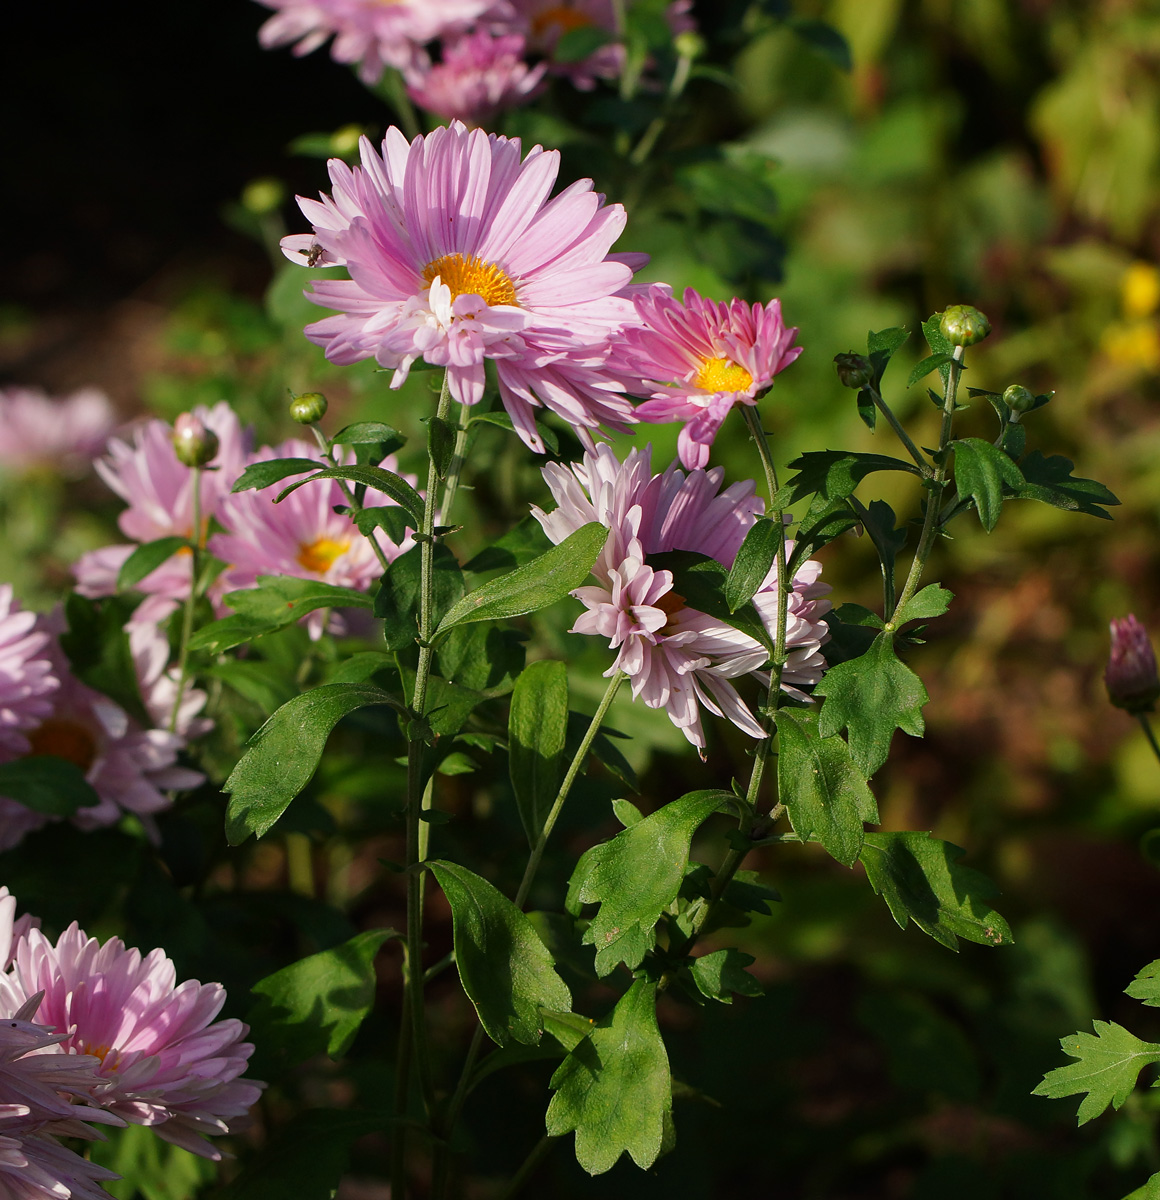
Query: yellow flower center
pixel 722 375
pixel 320 554
pixel 65 739
pixel 559 18
pixel 472 277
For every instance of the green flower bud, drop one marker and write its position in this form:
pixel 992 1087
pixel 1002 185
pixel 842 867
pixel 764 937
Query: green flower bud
pixel 1019 399
pixel 963 325
pixel 194 443
pixel 309 408
pixel 853 370
pixel 689 44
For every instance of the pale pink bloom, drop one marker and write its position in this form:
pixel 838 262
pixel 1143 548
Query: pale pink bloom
pixel 130 768
pixel 696 360
pixel 457 255
pixel 544 22
pixel 302 535
pixel 27 678
pixel 12 928
pixel 374 34
pixel 477 77
pixel 64 435
pixel 164 1059
pixel 158 683
pixel 676 657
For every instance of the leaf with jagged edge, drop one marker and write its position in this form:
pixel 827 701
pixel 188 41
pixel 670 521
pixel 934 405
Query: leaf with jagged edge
pixel 1107 1065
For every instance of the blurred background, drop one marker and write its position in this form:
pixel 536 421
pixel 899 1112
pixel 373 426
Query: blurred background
pixel 1001 153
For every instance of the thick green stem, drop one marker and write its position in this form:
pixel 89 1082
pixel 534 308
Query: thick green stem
pixel 355 507
pixel 195 540
pixel 930 524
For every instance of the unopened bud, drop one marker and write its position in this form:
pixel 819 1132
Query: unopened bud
pixel 309 408
pixel 963 325
pixel 1019 400
pixel 854 370
pixel 1131 677
pixel 194 443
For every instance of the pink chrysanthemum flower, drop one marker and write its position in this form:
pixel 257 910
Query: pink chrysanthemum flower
pixel 457 255
pixel 165 1061
pixel 676 657
pixel 61 435
pixel 478 76
pixel 370 33
pixel 302 535
pixel 698 359
pixel 27 677
pixel 158 490
pixel 130 768
pixel 544 23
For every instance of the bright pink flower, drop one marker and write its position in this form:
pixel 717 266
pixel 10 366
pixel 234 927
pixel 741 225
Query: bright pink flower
pixel 479 76
pixel 302 535
pixel 457 255
pixel 164 1059
pixel 371 33
pixel 676 657
pixel 27 677
pixel 63 435
pixel 698 359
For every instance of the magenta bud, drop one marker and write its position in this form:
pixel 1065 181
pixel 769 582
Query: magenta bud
pixel 194 443
pixel 1131 677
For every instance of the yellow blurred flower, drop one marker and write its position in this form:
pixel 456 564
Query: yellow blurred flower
pixel 1140 290
pixel 1133 344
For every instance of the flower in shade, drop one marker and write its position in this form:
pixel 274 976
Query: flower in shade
pixel 676 657
pixel 63 435
pixel 27 676
pixel 1130 676
pixel 164 1059
pixel 302 535
pixel 456 255
pixel 545 22
pixel 370 33
pixel 697 359
pixel 478 76
pixel 129 767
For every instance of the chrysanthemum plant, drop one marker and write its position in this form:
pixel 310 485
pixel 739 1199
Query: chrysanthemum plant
pixel 456 256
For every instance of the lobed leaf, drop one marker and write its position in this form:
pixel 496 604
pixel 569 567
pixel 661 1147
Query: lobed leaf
pixel 537 730
pixel 835 474
pixel 981 471
pixel 1107 1065
pixel 1146 986
pixel 721 974
pixel 272 470
pixel 932 601
pixel 1050 481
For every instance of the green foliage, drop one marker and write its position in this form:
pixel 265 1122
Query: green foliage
pixel 147 558
pixel 754 559
pixel 537 729
pixel 273 470
pixel 47 784
pixel 823 791
pixel 98 650
pixel 506 970
pixel 149 1167
pixel 703 582
pixel 397 601
pixel 636 876
pixel 1049 480
pixel 525 541
pixel 871 696
pixel 722 973
pixel 1146 986
pixel 384 438
pixel 1149 1190
pixel 379 478
pixel 614 1088
pixel 1105 1071
pixel 932 601
pixel 283 755
pixel 921 880
pixel 940 346
pixel 835 474
pixel 319 1002
pixel 533 586
pixel 440 444
pixel 981 471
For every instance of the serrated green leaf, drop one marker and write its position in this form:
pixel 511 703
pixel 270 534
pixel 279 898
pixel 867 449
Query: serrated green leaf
pixel 870 697
pixel 981 470
pixel 47 784
pixel 534 585
pixel 272 470
pixel 859 615
pixel 878 520
pixel 537 729
pixel 1050 481
pixel 921 880
pixel 370 433
pixel 721 974
pixel 928 364
pixel 394 521
pixel 614 1089
pixel 755 558
pixel 506 970
pixel 281 758
pixel 1108 1064
pixel 319 1002
pixel 1146 986
pixel 387 482
pixel 147 558
pixel 824 793
pixel 835 474
pixel 931 602
pixel 636 876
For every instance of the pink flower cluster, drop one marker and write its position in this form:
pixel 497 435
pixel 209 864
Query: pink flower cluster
pixel 63 436
pixel 93 1033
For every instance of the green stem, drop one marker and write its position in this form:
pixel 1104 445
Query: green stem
pixel 458 456
pixel 528 1168
pixel 355 507
pixel 1146 726
pixel 190 600
pixel 903 436
pixel 930 523
pixel 402 1090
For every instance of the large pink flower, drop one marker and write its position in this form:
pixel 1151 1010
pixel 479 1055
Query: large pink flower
pixel 62 435
pixel 457 255
pixel 164 1060
pixel 696 360
pixel 477 77
pixel 27 677
pixel 371 33
pixel 676 657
